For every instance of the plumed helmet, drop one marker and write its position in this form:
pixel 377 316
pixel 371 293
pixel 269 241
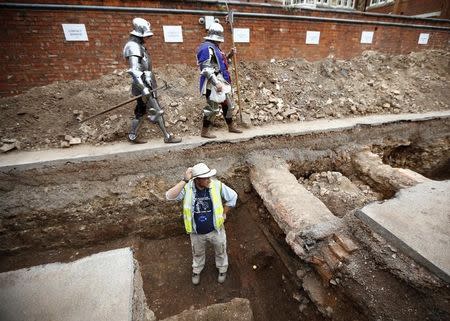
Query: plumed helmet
pixel 141 28
pixel 215 32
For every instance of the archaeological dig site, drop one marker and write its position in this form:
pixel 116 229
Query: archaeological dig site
pixel 252 160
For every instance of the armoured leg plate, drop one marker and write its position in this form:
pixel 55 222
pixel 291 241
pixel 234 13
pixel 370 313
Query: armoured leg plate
pixel 211 110
pixel 156 116
pixel 135 124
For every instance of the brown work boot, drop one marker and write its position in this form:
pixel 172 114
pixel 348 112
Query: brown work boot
pixel 205 133
pixel 172 139
pixel 233 129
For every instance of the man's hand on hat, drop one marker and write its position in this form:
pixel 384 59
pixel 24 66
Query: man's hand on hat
pixel 188 174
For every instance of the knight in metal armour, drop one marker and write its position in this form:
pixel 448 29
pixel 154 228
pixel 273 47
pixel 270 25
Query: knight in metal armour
pixel 144 82
pixel 215 80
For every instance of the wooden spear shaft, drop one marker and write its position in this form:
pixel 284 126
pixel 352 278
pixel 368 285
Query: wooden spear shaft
pixel 235 66
pixel 237 85
pixel 166 86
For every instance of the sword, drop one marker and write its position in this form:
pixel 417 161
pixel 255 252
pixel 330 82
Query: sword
pixel 164 87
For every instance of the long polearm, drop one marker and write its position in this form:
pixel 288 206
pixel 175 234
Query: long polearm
pixel 165 86
pixel 235 66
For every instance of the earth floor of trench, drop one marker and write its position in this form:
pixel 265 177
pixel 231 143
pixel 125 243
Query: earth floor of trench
pixel 166 270
pixel 165 266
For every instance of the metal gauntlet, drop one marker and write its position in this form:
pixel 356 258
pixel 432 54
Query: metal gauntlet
pixel 209 73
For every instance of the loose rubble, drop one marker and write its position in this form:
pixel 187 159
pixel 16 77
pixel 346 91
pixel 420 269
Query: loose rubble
pixel 339 193
pixel 277 91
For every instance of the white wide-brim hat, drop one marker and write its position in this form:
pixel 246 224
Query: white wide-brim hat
pixel 201 170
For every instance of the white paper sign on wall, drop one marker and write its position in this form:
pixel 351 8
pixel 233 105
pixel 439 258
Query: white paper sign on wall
pixel 74 32
pixel 367 37
pixel 312 37
pixel 241 35
pixel 173 34
pixel 423 38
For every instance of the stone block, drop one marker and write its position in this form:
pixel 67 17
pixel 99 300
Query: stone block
pixel 236 310
pixel 331 259
pixel 338 250
pixel 106 287
pixel 346 243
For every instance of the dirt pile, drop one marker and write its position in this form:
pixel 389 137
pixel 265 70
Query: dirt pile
pixel 278 91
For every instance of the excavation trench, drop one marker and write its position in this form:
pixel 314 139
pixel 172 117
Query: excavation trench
pixel 65 210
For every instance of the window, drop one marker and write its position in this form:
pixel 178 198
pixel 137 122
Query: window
pixel 343 3
pixel 378 2
pixel 301 2
pixel 349 4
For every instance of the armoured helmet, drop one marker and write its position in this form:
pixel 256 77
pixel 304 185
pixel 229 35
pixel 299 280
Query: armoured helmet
pixel 215 32
pixel 141 28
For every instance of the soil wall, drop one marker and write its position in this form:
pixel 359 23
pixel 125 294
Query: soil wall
pixel 34 51
pixel 82 202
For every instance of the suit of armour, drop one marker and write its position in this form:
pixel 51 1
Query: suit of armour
pixel 214 79
pixel 140 70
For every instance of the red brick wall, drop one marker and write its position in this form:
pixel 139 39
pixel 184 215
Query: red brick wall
pixel 412 7
pixel 34 52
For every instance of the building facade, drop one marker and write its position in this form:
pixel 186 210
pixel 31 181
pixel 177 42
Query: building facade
pixel 416 8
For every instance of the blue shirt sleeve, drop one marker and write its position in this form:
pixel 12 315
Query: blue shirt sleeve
pixel 180 196
pixel 229 195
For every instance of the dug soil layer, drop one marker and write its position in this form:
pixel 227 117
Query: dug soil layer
pixel 66 209
pixel 275 92
pixel 63 210
pixel 79 203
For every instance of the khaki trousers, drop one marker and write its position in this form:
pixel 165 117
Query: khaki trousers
pixel 198 242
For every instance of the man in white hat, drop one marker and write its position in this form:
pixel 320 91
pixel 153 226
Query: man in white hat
pixel 204 215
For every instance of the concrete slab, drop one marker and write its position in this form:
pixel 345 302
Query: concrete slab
pixel 86 152
pixel 98 287
pixel 417 221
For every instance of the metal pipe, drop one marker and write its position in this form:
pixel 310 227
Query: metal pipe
pixel 106 8
pixel 365 5
pixel 338 20
pixel 216 13
pixel 238 3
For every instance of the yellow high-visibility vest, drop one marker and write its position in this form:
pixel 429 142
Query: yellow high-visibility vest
pixel 188 205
